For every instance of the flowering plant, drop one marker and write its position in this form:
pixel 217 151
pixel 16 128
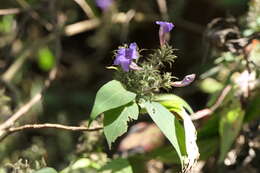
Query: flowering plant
pixel 136 90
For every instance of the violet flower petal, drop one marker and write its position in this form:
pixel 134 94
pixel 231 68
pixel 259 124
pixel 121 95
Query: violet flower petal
pixel 125 56
pixel 165 28
pixel 104 4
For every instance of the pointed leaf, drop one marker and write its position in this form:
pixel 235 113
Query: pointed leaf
pixel 173 102
pixel 110 96
pixel 190 141
pixel 118 166
pixel 166 121
pixel 230 125
pixel 115 121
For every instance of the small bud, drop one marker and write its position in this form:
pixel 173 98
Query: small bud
pixel 186 81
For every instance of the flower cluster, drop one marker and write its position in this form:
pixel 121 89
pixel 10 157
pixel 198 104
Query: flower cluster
pixel 145 78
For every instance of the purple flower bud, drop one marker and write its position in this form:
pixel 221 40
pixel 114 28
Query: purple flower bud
pixel 104 4
pixel 186 81
pixel 125 56
pixel 165 28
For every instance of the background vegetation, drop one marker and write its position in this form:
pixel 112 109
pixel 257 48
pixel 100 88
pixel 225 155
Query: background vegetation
pixel 53 58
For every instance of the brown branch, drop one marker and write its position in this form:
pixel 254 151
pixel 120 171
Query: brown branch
pixel 208 111
pixel 5 126
pixel 20 112
pixel 86 8
pixel 26 6
pixel 162 4
pixel 54 126
pixel 9 11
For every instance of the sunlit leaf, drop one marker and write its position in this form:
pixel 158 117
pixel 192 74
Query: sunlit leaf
pixel 190 141
pixel 110 96
pixel 166 121
pixel 46 170
pixel 118 166
pixel 173 102
pixel 83 165
pixel 230 125
pixel 115 121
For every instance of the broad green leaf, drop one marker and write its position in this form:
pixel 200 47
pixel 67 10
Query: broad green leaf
pixel 210 127
pixel 110 96
pixel 190 141
pixel 166 121
pixel 230 125
pixel 115 121
pixel 46 170
pixel 208 147
pixel 46 59
pixel 138 162
pixel 252 110
pixel 173 103
pixel 118 166
pixel 164 154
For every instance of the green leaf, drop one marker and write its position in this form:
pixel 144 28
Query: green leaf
pixel 164 154
pixel 118 166
pixel 210 85
pixel 173 103
pixel 252 110
pixel 46 170
pixel 46 59
pixel 6 23
pixel 166 121
pixel 230 125
pixel 110 96
pixel 115 121
pixel 210 128
pixel 208 147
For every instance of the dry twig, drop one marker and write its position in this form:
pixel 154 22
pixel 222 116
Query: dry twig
pixel 207 111
pixel 9 11
pixel 54 126
pixel 86 8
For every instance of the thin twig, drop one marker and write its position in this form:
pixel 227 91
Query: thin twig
pixel 25 5
pixel 81 26
pixel 207 111
pixel 86 8
pixel 163 9
pixel 54 126
pixel 5 126
pixel 20 112
pixel 9 11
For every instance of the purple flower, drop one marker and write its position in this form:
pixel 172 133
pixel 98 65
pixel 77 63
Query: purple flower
pixel 104 4
pixel 165 28
pixel 125 56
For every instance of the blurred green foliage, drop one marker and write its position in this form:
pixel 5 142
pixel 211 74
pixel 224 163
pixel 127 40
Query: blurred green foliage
pixel 81 71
